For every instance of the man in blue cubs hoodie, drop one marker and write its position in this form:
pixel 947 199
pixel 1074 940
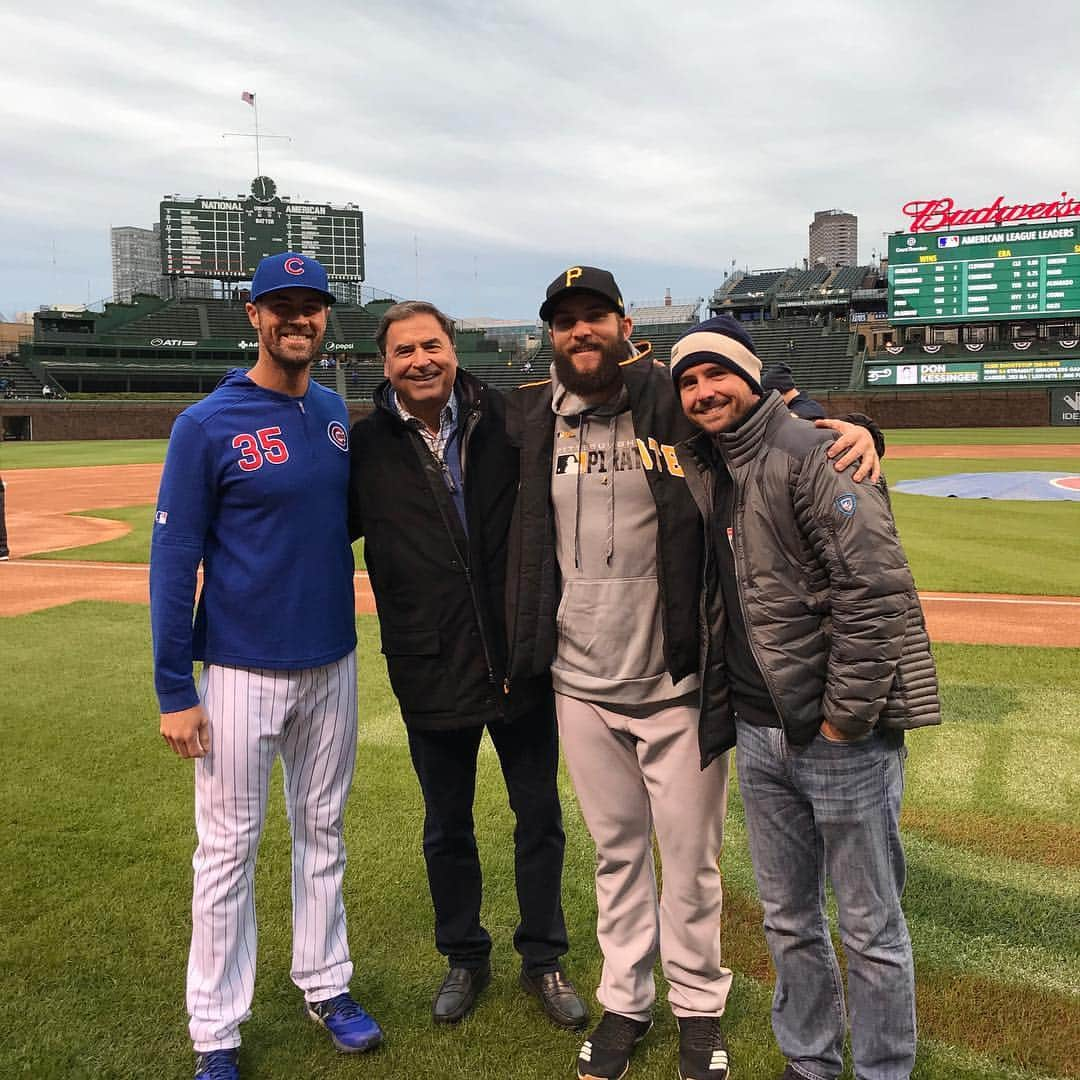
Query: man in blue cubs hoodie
pixel 255 489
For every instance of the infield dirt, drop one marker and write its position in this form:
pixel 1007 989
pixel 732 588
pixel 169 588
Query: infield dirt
pixel 41 504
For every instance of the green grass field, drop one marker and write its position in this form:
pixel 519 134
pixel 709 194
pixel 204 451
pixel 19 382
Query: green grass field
pixel 61 455
pixel 95 870
pixel 94 889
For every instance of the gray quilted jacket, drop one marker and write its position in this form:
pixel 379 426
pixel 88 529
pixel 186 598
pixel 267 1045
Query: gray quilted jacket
pixel 828 598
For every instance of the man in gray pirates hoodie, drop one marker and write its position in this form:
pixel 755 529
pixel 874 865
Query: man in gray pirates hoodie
pixel 604 578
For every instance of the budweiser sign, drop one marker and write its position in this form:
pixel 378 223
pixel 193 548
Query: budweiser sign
pixel 930 215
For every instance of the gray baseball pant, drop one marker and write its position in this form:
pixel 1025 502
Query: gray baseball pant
pixel 634 775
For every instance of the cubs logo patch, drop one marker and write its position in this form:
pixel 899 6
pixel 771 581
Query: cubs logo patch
pixel 339 435
pixel 293 266
pixel 846 504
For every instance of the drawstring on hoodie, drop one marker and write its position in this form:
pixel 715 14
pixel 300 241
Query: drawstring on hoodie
pixel 582 424
pixel 575 412
pixel 612 424
pixel 609 552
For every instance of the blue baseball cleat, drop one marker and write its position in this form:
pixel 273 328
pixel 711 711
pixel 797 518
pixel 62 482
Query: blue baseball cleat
pixel 217 1065
pixel 350 1028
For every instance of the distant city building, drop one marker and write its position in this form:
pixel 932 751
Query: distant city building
pixel 834 239
pixel 12 333
pixel 136 267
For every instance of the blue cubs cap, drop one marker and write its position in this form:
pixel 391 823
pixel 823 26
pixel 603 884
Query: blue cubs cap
pixel 720 340
pixel 290 271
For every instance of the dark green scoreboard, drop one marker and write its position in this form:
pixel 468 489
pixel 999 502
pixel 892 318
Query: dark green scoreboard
pixel 1013 272
pixel 226 238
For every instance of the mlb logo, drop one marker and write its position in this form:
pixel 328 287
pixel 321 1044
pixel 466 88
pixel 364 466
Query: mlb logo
pixel 948 241
pixel 846 504
pixel 161 517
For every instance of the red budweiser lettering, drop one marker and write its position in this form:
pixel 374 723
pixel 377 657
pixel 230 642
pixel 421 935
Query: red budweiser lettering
pixel 930 215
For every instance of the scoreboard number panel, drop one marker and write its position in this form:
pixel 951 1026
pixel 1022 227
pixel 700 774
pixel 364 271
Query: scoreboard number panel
pixel 226 238
pixel 1009 273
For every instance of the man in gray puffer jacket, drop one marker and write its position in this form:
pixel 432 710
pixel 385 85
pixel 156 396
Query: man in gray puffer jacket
pixel 817 660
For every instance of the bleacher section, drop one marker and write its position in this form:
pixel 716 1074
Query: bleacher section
pixel 768 293
pixel 847 278
pixel 757 286
pixel 227 320
pixel 181 320
pixel 185 346
pixel 804 281
pixel 656 314
pixel 19 380
pixel 820 357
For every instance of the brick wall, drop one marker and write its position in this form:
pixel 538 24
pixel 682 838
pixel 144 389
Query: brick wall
pixel 891 409
pixel 945 408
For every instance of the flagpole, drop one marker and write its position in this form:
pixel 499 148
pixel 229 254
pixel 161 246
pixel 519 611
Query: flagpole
pixel 251 99
pixel 258 164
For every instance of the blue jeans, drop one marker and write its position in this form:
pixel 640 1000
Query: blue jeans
pixel 832 809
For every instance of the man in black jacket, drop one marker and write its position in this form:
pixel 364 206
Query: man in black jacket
pixel 817 659
pixel 432 489
pixel 604 587
pixel 779 378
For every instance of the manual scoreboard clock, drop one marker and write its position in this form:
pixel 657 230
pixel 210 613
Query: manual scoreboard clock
pixel 226 238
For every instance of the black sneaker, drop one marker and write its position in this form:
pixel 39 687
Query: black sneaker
pixel 703 1054
pixel 605 1054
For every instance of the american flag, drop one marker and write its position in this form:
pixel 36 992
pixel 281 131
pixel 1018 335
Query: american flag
pixel 248 96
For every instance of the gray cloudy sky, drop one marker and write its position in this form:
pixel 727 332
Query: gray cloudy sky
pixel 509 140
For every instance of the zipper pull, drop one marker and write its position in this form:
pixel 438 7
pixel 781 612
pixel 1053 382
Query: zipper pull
pixel 449 477
pixel 301 404
pixel 506 685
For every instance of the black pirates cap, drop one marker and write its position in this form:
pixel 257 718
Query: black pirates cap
pixel 582 278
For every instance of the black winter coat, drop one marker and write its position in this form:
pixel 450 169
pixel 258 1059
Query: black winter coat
pixel 534 587
pixel 440 593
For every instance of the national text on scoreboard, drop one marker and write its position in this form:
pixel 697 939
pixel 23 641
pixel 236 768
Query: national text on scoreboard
pixel 225 238
pixel 1008 272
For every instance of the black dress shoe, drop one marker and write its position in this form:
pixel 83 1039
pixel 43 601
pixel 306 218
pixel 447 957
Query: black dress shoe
pixel 557 995
pixel 458 992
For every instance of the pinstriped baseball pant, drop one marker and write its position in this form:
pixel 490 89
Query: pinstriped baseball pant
pixel 309 718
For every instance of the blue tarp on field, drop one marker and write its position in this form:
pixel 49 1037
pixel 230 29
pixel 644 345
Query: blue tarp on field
pixel 996 485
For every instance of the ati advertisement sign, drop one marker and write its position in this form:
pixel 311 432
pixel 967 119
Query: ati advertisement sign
pixel 1065 408
pixel 968 372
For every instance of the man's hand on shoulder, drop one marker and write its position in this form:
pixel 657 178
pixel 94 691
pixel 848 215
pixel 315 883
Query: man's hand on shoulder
pixel 187 732
pixel 854 444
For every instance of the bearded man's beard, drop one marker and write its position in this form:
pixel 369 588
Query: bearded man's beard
pixel 605 377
